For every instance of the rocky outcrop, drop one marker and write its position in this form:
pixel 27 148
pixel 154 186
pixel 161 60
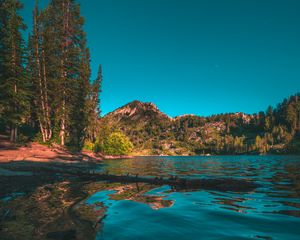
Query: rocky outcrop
pixel 137 111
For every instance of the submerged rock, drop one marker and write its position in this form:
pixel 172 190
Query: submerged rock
pixel 63 235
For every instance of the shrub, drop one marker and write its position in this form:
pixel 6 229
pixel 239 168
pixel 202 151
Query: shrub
pixel 117 144
pixel 97 147
pixel 88 146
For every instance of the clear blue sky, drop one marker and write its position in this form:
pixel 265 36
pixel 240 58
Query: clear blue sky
pixel 193 56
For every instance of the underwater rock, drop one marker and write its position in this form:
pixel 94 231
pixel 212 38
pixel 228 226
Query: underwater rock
pixel 63 235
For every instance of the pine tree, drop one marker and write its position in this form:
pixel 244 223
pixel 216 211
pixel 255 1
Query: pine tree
pixel 14 94
pixel 78 67
pixel 93 108
pixel 291 117
pixel 96 90
pixel 67 63
pixel 39 78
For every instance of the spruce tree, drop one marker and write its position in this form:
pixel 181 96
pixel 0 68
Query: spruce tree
pixel 67 61
pixel 38 75
pixel 14 94
pixel 93 110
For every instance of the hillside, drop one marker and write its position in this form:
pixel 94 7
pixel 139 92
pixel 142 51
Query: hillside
pixel 154 132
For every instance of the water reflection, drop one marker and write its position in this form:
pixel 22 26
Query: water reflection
pixel 278 175
pixel 139 192
pixel 270 212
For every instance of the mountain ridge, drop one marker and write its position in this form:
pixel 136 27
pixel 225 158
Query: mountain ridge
pixel 151 104
pixel 154 132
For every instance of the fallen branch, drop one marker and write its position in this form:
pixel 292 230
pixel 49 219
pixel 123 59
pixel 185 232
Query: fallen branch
pixel 219 184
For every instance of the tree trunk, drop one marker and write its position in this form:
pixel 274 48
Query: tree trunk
pixel 64 44
pixel 12 134
pixel 42 130
pixel 47 109
pixel 16 134
pixel 63 132
pixel 42 120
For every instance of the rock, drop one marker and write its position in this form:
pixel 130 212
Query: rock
pixel 63 235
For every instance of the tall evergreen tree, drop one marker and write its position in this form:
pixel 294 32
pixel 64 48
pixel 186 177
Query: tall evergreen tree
pixel 14 95
pixel 38 74
pixel 93 107
pixel 67 60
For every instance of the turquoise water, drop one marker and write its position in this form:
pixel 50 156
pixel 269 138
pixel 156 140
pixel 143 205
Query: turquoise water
pixel 272 211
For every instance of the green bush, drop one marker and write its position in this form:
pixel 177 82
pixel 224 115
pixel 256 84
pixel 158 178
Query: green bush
pixel 89 146
pixel 117 144
pixel 97 147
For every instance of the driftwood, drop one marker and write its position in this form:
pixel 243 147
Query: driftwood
pixel 218 184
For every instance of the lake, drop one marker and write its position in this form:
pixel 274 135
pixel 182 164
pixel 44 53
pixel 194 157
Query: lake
pixel 272 211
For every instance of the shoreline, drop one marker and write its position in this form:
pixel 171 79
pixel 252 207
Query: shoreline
pixel 43 154
pixel 35 152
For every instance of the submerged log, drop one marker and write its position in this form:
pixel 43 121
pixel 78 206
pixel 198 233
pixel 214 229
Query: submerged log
pixel 217 184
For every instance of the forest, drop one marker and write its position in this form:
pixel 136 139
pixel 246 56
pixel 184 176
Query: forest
pixel 46 93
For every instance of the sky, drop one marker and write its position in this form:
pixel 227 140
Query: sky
pixel 198 57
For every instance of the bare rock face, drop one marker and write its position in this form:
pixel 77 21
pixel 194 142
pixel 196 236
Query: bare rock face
pixel 138 111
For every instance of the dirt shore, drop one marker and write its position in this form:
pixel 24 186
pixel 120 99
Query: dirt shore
pixel 35 152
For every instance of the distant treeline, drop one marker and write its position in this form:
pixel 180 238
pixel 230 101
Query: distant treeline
pixel 45 87
pixel 274 131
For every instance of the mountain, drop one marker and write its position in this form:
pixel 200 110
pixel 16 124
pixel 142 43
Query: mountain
pixel 138 112
pixel 154 132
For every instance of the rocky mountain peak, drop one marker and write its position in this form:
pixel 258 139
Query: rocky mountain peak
pixel 137 110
